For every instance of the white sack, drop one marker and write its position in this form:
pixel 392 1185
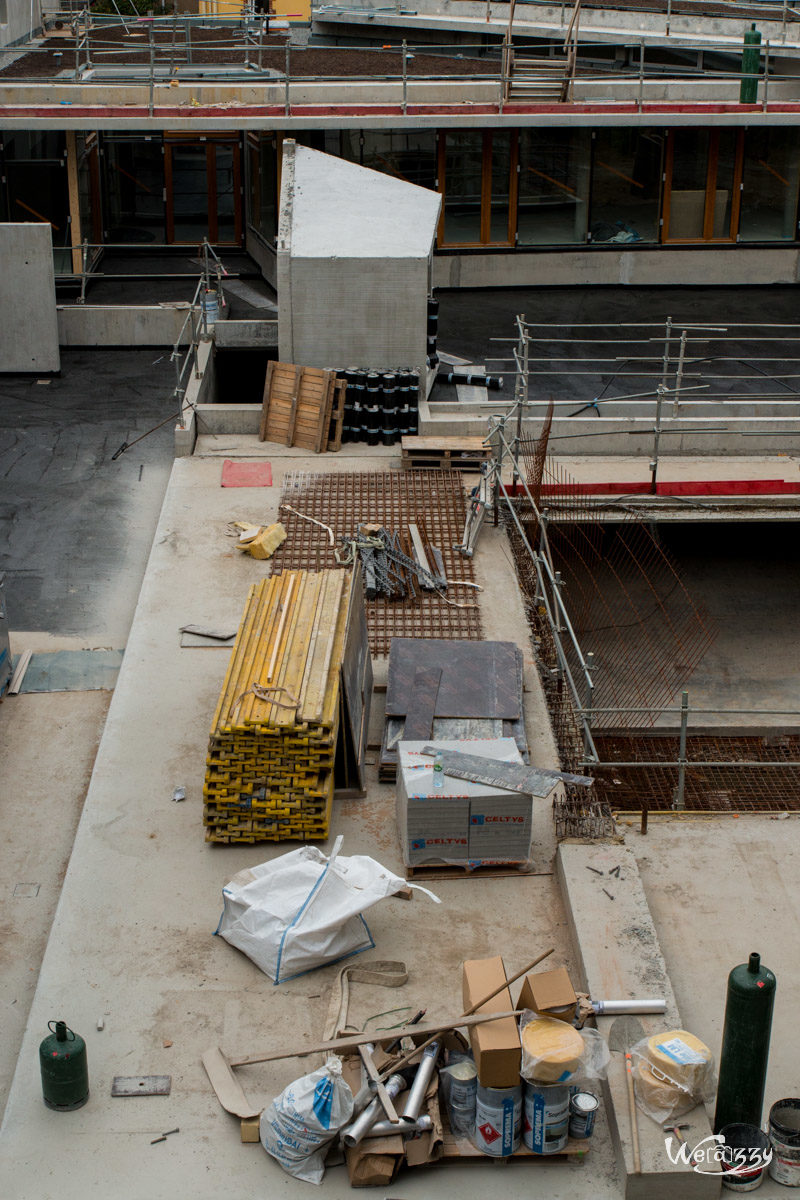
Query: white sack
pixel 298 1127
pixel 303 910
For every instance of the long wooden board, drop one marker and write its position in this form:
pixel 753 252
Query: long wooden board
pixel 341 1045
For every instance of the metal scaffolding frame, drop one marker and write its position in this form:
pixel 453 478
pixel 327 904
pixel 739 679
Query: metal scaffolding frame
pixel 612 695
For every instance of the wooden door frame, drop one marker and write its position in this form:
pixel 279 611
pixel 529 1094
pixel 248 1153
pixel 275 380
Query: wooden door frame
pixel 712 170
pixel 210 146
pixel 487 147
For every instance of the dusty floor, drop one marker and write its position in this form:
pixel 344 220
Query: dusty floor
pixel 718 889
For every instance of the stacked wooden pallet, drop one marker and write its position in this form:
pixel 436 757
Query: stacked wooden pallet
pixel 446 453
pixel 302 406
pixel 270 764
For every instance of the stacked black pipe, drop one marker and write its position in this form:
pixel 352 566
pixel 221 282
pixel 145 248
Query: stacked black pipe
pixel 380 406
pixel 433 332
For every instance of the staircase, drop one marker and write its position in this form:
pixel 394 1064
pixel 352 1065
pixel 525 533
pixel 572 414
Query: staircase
pixel 538 79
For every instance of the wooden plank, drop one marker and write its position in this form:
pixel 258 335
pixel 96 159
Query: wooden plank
pixel 422 442
pixel 298 381
pixel 262 428
pixel 341 1045
pixel 312 405
pixel 325 424
pixel 337 419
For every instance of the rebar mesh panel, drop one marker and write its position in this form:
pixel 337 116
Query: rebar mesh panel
pixel 342 501
pixel 727 787
pixel 626 600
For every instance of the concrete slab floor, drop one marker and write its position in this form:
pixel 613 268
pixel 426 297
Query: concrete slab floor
pixel 719 889
pixel 132 939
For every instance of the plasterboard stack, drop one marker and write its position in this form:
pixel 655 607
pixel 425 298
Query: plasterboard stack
pixel 270 765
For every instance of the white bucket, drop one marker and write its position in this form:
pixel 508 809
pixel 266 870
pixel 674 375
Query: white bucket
pixel 784 1136
pixel 546 1117
pixel 498 1120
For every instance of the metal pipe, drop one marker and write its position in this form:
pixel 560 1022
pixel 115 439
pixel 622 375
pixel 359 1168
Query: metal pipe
pixel 353 1133
pixel 404 1129
pixel 405 79
pixel 419 1087
pixel 612 1008
pixel 678 799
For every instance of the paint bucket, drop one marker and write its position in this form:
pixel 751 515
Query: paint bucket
pixel 744 1156
pixel 784 1135
pixel 210 303
pixel 545 1122
pixel 583 1108
pixel 498 1120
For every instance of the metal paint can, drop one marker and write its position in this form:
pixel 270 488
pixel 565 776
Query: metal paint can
pixel 583 1108
pixel 784 1136
pixel 744 1150
pixel 498 1120
pixel 546 1117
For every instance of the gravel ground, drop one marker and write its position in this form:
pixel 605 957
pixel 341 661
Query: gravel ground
pixel 224 46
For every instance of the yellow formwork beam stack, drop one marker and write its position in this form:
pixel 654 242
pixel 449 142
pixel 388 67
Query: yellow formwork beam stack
pixel 269 770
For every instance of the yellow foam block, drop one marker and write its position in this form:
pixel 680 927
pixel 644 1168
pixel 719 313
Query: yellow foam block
pixel 554 1047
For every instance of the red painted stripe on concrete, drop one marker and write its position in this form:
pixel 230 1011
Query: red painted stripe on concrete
pixel 700 487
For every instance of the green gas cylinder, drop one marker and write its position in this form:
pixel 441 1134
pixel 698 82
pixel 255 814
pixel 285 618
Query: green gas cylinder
pixel 65 1074
pixel 745 1044
pixel 751 62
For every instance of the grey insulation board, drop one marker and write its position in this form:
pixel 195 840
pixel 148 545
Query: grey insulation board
pixel 479 679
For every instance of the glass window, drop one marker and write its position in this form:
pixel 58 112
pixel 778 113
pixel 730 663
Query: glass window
pixel 724 183
pixel 769 195
pixel 263 185
pixel 33 145
pixel 687 201
pixel 407 156
pixel 134 177
pixel 463 181
pixel 501 176
pixel 37 191
pixel 553 186
pixel 626 183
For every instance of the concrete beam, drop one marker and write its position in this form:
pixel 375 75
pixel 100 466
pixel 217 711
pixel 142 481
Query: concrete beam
pixel 619 957
pixel 122 324
pixel 246 335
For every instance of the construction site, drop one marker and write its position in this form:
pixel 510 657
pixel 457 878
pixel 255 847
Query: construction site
pixel 400 460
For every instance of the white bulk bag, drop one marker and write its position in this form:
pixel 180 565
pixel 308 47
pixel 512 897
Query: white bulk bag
pixel 303 910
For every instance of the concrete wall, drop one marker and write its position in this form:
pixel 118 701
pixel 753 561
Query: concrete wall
pixel 121 325
pixel 642 267
pixel 264 255
pixel 366 312
pixel 29 339
pixel 17 19
pixel 200 391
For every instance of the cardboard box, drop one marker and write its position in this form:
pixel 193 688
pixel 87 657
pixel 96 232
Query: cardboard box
pixel 495 1045
pixel 462 821
pixel 550 993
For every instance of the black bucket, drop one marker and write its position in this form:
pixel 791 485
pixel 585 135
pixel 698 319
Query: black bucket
pixel 745 1151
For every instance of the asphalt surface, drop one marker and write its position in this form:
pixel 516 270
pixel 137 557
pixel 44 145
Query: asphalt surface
pixel 77 527
pixel 471 321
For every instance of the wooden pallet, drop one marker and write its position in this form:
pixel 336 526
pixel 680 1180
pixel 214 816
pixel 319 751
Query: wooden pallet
pixel 463 871
pixel 444 453
pixel 300 407
pixel 462 1149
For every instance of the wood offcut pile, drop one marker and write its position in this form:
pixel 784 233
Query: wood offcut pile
pixel 270 764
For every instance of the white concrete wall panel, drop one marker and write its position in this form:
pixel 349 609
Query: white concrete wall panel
pixel 28 324
pixel 362 312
